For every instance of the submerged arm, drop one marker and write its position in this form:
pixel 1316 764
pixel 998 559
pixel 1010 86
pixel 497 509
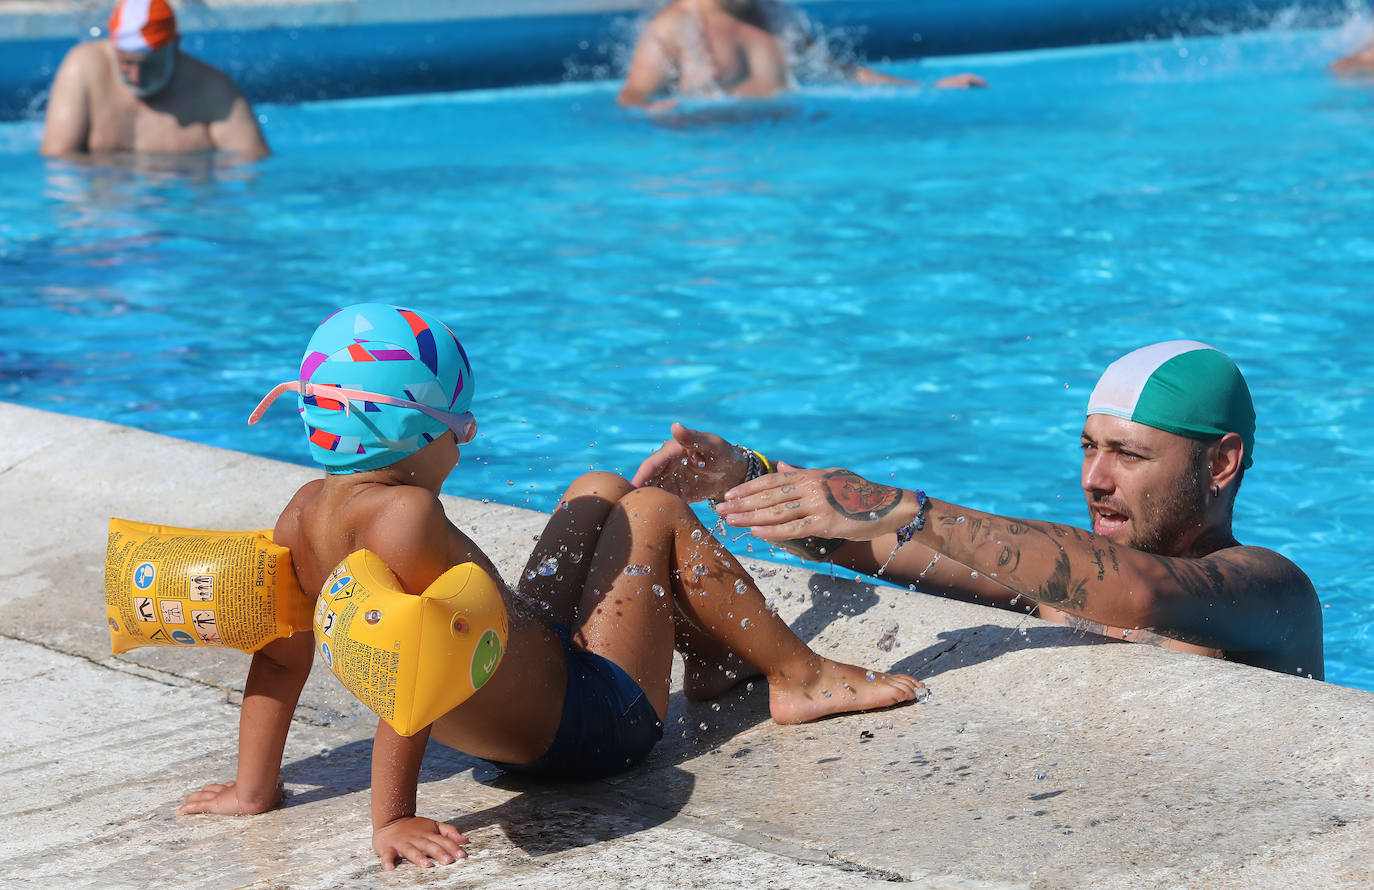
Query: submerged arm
pixel 239 132
pixel 66 127
pixel 767 69
pixel 650 70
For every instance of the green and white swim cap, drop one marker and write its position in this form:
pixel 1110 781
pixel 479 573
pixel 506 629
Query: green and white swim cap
pixel 1182 387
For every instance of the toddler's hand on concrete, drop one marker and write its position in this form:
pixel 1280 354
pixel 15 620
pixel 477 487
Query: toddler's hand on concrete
pixel 422 841
pixel 223 798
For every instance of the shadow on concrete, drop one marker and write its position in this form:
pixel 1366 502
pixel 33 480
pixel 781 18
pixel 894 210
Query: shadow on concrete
pixel 548 817
pixel 978 643
pixel 544 816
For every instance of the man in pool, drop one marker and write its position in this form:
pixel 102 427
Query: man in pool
pixel 730 47
pixel 1168 436
pixel 138 92
pixel 1359 63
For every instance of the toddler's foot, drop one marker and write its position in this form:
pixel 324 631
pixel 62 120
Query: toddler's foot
pixel 703 680
pixel 829 687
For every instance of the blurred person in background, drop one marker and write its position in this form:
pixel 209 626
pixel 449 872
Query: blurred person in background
pixel 137 92
pixel 730 47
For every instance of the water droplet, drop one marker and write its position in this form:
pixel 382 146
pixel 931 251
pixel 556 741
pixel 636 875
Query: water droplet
pixel 696 534
pixel 1040 777
pixel 870 676
pixel 825 692
pixel 699 569
pixel 529 576
pixel 715 706
pixel 731 675
pixel 749 687
pixel 973 574
pixel 702 726
pixel 548 566
pixel 889 638
pixel 740 587
pixel 658 590
pixel 746 624
pixel 636 569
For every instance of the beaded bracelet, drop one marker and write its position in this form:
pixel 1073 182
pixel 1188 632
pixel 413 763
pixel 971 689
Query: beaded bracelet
pixel 757 464
pixel 918 523
pixel 905 532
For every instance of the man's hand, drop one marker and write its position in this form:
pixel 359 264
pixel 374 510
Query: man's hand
pixel 833 503
pixel 419 840
pixel 694 465
pixel 223 798
pixel 960 82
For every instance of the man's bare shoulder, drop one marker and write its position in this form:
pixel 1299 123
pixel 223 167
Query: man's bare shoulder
pixel 667 25
pixel 91 59
pixel 287 531
pixel 1262 567
pixel 208 81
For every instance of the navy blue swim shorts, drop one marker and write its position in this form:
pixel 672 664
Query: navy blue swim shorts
pixel 608 725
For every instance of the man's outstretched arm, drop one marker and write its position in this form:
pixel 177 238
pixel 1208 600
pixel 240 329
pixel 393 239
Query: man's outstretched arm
pixel 1236 599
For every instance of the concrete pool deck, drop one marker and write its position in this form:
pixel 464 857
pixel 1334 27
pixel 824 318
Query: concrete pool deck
pixel 1043 758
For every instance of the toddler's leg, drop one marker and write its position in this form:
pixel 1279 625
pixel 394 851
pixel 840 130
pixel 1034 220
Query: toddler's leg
pixel 556 573
pixel 655 559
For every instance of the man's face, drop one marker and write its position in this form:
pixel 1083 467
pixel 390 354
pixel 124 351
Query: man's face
pixel 146 73
pixel 1145 488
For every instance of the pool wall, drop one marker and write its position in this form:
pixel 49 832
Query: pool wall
pixel 1044 758
pixel 318 49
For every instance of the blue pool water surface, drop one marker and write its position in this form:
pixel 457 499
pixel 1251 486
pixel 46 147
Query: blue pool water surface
pixel 920 285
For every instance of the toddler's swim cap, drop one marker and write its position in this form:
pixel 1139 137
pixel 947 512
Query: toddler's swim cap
pixel 390 351
pixel 1182 387
pixel 141 26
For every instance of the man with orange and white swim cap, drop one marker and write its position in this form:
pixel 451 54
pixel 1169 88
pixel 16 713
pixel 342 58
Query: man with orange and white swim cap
pixel 1169 432
pixel 137 92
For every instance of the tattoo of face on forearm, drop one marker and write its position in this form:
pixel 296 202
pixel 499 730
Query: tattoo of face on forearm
pixel 858 498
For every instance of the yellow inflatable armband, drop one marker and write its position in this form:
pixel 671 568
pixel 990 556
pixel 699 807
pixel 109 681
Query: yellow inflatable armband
pixel 411 659
pixel 168 586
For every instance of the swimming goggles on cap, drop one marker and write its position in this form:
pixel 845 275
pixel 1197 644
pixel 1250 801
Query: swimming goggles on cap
pixel 464 425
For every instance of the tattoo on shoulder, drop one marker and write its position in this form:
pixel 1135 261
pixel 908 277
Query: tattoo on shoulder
pixel 857 498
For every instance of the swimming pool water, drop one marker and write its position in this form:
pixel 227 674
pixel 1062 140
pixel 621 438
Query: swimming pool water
pixel 920 285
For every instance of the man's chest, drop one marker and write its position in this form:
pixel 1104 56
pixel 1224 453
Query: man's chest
pixel 138 127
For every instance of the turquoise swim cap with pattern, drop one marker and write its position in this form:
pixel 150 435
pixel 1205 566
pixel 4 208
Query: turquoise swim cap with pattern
pixel 1182 387
pixel 392 352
